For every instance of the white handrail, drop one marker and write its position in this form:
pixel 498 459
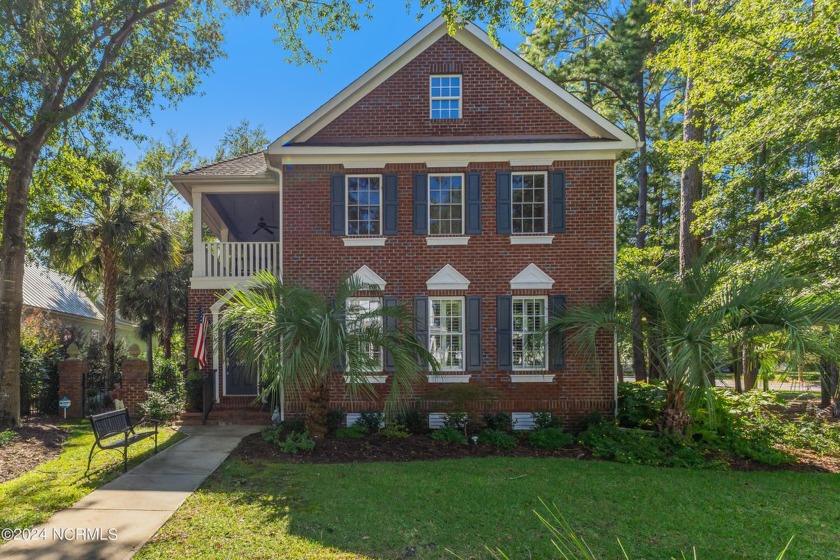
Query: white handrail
pixel 240 259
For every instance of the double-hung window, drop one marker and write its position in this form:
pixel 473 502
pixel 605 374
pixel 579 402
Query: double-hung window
pixel 529 343
pixel 445 96
pixel 446 332
pixel 361 313
pixel 528 202
pixel 364 204
pixel 446 204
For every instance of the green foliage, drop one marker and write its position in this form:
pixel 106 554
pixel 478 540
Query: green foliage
pixel 394 430
pixel 297 441
pixel 413 421
pixel 550 438
pixel 640 447
pixel 640 404
pixel 497 421
pixel 356 431
pixel 497 438
pixel 544 420
pixel 335 417
pixel 371 421
pixel 7 437
pixel 194 389
pixel 272 435
pixel 240 140
pixel 450 435
pixel 40 354
pixel 163 406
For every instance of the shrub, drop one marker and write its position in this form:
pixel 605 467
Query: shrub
pixel 335 416
pixel 297 441
pixel 497 421
pixel 40 354
pixel 393 430
pixel 456 421
pixel 640 447
pixel 546 420
pixel 6 437
pixel 497 438
pixel 194 389
pixel 640 404
pixel 161 406
pixel 272 435
pixel 550 438
pixel 413 421
pixel 356 431
pixel 450 435
pixel 372 421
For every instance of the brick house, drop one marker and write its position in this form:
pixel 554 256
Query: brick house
pixel 461 181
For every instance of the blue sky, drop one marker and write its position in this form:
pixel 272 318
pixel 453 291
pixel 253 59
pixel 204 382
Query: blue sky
pixel 255 83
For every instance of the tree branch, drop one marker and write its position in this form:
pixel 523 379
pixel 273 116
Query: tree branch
pixel 12 130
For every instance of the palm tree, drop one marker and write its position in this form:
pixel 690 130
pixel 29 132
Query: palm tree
pixel 111 232
pixel 299 338
pixel 707 310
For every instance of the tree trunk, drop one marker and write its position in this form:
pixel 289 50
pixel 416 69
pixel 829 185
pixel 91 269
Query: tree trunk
pixel 317 402
pixel 12 259
pixel 166 335
pixel 736 368
pixel 691 178
pixel 639 369
pixel 750 371
pixel 110 277
pixel 655 364
pixel 149 357
pixel 675 419
pixel 829 385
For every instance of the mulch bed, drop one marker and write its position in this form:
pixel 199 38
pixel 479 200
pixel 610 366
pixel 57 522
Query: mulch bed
pixel 38 441
pixel 422 448
pixel 379 448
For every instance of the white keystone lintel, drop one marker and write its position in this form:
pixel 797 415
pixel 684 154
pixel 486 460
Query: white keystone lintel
pixel 366 277
pixel 372 379
pixel 531 239
pixel 457 378
pixel 364 241
pixel 447 278
pixel 531 278
pixel 432 241
pixel 531 378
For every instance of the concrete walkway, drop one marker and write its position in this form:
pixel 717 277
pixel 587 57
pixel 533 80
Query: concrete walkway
pixel 115 520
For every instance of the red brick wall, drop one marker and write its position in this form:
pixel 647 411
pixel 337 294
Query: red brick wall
pixel 70 374
pixel 135 381
pixel 493 105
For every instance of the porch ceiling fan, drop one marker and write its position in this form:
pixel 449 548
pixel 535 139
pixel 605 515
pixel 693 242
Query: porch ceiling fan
pixel 261 225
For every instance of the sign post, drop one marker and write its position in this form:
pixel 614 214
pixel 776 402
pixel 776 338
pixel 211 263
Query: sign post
pixel 64 404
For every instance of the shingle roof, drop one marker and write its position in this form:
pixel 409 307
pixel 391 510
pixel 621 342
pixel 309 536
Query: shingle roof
pixel 253 164
pixel 50 290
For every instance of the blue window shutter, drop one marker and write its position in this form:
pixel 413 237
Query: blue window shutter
pixel 557 201
pixel 504 332
pixel 390 325
pixel 421 321
pixel 503 208
pixel 473 211
pixel 389 205
pixel 473 344
pixel 337 205
pixel 557 339
pixel 421 204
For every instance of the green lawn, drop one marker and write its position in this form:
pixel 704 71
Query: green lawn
pixel 384 510
pixel 31 498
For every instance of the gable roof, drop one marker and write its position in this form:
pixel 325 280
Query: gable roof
pixel 475 39
pixel 247 165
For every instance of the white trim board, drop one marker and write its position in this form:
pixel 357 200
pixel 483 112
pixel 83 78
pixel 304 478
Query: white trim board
pixel 447 278
pixel 531 278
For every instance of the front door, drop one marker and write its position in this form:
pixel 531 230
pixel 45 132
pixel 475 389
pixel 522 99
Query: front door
pixel 240 380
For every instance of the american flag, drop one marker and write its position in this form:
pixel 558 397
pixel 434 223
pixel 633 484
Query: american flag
pixel 200 348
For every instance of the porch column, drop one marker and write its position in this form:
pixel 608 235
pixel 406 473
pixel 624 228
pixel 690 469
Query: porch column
pixel 198 244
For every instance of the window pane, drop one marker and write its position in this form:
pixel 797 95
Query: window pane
pixel 528 203
pixel 363 197
pixel 528 343
pixel 359 317
pixel 445 204
pixel 446 336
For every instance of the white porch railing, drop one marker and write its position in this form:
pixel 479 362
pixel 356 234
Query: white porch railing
pixel 237 259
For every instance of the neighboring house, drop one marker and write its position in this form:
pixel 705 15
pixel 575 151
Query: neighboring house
pixel 461 181
pixel 54 294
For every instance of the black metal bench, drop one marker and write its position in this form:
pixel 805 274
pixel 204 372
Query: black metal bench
pixel 114 430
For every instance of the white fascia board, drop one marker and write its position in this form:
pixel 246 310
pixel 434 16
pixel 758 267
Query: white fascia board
pixel 580 112
pixel 511 149
pixel 380 72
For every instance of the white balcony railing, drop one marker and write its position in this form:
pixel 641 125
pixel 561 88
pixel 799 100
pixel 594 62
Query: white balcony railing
pixel 238 259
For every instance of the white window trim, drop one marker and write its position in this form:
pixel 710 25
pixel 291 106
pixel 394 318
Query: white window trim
pixel 359 241
pixel 372 379
pixel 372 373
pixel 460 378
pixel 534 378
pixel 375 236
pixel 429 206
pixel 450 98
pixel 545 204
pixel 463 334
pixel 528 239
pixel 438 241
pixel 545 342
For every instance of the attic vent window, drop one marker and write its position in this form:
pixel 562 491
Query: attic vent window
pixel 445 96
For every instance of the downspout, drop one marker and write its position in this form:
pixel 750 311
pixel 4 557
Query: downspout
pixel 617 365
pixel 279 172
